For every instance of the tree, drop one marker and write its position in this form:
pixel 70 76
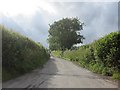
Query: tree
pixel 63 34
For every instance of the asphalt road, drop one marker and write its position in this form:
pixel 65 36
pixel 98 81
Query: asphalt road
pixel 59 73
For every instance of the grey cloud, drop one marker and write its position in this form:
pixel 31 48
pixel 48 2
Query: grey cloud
pixel 99 18
pixel 10 23
pixel 39 23
pixel 35 28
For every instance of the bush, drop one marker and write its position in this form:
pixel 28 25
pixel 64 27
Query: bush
pixel 20 54
pixel 107 71
pixel 102 56
pixel 116 76
pixel 107 50
pixel 57 53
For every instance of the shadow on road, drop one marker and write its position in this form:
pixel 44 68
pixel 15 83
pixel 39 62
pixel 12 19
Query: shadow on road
pixel 58 73
pixel 50 70
pixel 36 79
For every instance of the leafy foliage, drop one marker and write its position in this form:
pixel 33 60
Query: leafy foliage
pixel 107 50
pixel 64 33
pixel 20 54
pixel 57 53
pixel 102 56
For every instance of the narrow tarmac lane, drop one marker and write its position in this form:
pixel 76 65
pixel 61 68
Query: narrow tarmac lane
pixel 59 73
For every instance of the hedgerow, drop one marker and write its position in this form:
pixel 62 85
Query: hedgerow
pixel 102 56
pixel 20 54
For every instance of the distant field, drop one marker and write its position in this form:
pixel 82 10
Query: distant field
pixel 20 54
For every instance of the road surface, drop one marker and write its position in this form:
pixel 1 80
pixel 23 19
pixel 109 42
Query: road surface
pixel 59 73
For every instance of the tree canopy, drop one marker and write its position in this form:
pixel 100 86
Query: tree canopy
pixel 63 34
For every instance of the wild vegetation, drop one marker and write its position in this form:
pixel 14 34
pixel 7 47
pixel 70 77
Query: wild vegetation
pixel 102 56
pixel 20 54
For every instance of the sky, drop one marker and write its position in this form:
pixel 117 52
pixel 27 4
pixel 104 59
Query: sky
pixel 32 17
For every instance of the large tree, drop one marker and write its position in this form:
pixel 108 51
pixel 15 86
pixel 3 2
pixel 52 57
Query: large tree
pixel 63 34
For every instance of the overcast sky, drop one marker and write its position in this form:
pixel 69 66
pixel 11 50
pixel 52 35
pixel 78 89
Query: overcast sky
pixel 31 17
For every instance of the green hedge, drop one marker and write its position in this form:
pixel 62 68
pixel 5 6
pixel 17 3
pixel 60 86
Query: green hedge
pixel 107 50
pixel 20 54
pixel 102 56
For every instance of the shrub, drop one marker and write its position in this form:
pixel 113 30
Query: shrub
pixel 108 51
pixel 101 56
pixel 20 54
pixel 57 53
pixel 116 76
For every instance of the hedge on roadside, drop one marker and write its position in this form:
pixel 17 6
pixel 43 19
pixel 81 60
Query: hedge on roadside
pixel 20 54
pixel 102 56
pixel 107 50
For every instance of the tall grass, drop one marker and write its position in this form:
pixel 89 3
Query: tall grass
pixel 20 54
